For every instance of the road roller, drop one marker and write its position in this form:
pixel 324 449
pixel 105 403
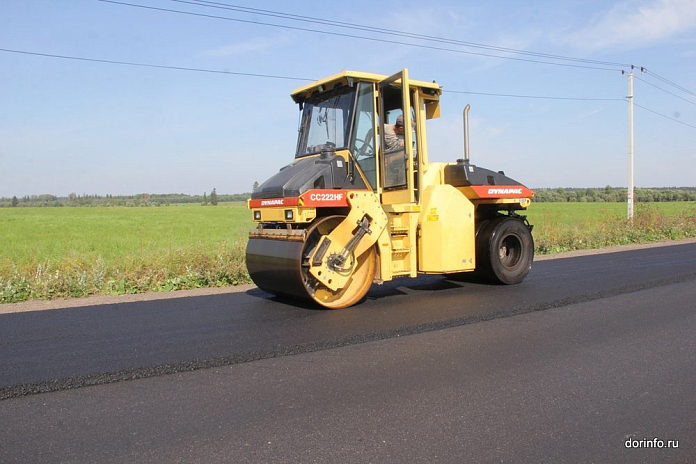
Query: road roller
pixel 360 203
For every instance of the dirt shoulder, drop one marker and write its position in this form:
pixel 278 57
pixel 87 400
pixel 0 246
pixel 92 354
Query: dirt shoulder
pixel 151 296
pixel 42 305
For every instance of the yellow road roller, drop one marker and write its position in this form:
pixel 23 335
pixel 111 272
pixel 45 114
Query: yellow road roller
pixel 361 204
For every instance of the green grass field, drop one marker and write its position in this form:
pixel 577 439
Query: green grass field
pixel 57 252
pixel 33 235
pixel 65 252
pixel 562 227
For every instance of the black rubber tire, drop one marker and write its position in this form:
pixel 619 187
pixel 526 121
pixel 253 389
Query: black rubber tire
pixel 504 250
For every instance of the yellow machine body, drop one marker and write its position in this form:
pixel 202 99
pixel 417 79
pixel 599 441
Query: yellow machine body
pixel 361 203
pixel 446 238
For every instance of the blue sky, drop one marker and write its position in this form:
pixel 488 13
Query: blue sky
pixel 98 128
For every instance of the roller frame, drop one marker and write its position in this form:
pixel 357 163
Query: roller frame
pixel 362 203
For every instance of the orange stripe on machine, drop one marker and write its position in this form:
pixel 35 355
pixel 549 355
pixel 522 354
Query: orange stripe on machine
pixel 502 191
pixel 272 202
pixel 311 198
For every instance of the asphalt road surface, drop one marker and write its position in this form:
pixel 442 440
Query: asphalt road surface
pixel 590 359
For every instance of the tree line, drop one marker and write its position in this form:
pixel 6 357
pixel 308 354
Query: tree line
pixel 141 199
pixel 610 194
pixel 607 194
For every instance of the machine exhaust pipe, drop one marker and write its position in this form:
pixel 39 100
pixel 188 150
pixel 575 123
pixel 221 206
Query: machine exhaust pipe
pixel 466 132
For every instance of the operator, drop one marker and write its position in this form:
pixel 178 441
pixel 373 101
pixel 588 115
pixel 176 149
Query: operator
pixel 394 135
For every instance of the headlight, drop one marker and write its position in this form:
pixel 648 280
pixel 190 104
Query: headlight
pixel 257 215
pixel 288 215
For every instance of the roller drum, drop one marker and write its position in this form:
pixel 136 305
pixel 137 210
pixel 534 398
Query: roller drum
pixel 275 266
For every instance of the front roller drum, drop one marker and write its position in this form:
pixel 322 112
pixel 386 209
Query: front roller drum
pixel 282 267
pixel 274 266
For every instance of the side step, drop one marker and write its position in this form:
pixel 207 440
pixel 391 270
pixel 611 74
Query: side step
pixel 403 260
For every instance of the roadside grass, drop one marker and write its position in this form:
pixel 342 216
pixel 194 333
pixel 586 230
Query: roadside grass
pixel 48 253
pixel 70 252
pixel 560 227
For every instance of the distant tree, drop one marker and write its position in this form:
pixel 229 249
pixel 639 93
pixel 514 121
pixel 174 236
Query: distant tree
pixel 213 198
pixel 205 198
pixel 15 201
pixel 255 186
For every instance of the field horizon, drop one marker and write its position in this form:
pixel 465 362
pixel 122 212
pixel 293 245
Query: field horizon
pixel 607 193
pixel 53 253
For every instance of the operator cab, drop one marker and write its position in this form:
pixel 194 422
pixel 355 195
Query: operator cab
pixel 342 114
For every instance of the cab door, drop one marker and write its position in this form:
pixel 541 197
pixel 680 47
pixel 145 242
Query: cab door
pixel 396 164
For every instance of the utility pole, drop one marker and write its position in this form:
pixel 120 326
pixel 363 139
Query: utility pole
pixel 630 145
pixel 631 186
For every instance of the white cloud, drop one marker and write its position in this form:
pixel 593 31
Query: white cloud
pixel 251 46
pixel 588 114
pixel 637 23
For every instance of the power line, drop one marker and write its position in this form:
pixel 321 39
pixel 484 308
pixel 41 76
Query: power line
pixel 159 66
pixel 378 30
pixel 664 116
pixel 398 33
pixel 540 97
pixel 676 86
pixel 665 91
pixel 372 39
pixel 303 18
pixel 271 76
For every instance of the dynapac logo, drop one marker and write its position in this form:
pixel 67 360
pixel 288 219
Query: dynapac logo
pixel 505 191
pixel 278 202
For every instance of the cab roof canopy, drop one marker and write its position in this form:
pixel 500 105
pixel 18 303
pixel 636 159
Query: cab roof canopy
pixel 301 94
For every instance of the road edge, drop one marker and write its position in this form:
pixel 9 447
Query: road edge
pixel 96 300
